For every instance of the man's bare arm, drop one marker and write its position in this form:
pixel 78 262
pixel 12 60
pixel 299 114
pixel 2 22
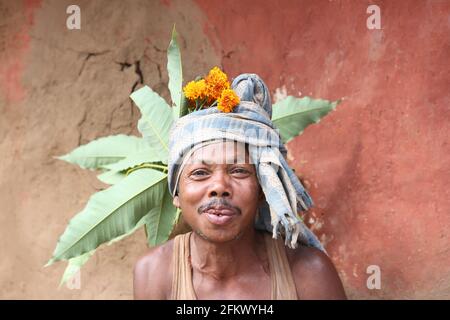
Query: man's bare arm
pixel 315 276
pixel 152 274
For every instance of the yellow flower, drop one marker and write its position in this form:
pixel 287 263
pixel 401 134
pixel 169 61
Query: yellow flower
pixel 214 87
pixel 195 89
pixel 216 82
pixel 227 101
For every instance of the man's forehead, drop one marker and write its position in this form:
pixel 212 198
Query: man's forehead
pixel 221 153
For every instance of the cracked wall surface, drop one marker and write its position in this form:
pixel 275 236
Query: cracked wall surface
pixel 63 88
pixel 377 167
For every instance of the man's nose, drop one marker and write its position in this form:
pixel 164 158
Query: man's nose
pixel 220 185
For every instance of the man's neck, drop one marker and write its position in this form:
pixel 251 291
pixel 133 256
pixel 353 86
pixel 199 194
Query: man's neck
pixel 224 260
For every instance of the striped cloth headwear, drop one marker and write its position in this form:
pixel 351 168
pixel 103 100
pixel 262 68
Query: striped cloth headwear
pixel 250 123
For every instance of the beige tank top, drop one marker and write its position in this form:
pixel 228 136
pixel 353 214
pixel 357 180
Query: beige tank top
pixel 283 285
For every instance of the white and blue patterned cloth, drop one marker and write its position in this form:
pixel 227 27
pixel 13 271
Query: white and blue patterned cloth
pixel 250 123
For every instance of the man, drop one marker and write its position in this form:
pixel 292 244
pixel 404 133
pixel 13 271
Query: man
pixel 233 186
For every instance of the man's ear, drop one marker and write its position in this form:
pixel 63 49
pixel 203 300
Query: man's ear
pixel 176 201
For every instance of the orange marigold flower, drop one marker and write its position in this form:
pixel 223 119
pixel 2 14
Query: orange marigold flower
pixel 195 89
pixel 216 82
pixel 227 101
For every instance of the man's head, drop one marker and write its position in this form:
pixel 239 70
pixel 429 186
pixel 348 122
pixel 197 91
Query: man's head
pixel 249 123
pixel 219 192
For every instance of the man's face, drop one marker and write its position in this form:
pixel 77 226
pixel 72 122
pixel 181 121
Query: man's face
pixel 218 191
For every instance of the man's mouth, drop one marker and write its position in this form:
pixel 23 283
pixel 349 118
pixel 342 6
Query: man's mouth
pixel 220 215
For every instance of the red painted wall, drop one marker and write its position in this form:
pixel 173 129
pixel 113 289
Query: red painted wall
pixel 379 166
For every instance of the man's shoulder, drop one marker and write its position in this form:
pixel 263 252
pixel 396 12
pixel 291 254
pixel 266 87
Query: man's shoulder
pixel 152 273
pixel 315 274
pixel 155 255
pixel 308 258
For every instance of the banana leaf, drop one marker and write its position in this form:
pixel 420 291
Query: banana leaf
pixel 74 265
pixel 175 72
pixel 292 115
pixel 111 177
pixel 162 220
pixel 111 213
pixel 103 151
pixel 155 121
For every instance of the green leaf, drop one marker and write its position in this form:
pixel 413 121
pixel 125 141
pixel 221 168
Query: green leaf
pixel 134 160
pixel 175 71
pixel 103 151
pixel 155 122
pixel 292 115
pixel 184 105
pixel 117 171
pixel 145 219
pixel 111 213
pixel 74 265
pixel 111 177
pixel 162 221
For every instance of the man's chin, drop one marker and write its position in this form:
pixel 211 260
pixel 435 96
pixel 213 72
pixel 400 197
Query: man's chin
pixel 219 236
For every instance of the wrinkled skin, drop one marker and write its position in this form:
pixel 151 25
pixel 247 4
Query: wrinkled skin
pixel 213 176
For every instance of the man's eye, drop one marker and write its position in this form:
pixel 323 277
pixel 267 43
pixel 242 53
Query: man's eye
pixel 199 173
pixel 240 171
